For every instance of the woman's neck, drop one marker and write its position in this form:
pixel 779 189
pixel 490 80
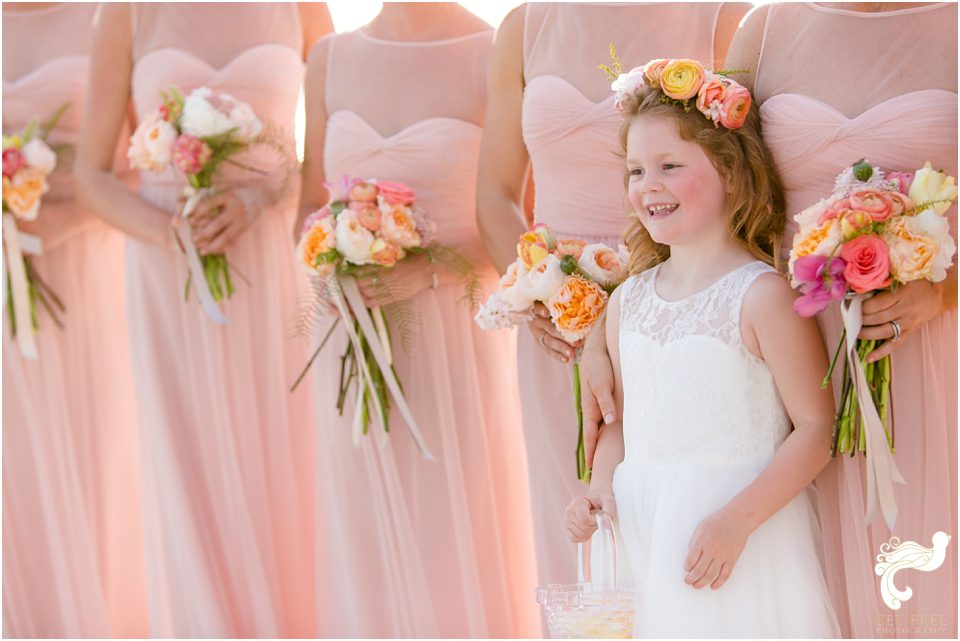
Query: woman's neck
pixel 417 21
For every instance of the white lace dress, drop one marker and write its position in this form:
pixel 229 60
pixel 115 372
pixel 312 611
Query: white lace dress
pixel 702 419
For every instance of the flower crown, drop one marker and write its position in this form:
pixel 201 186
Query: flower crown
pixel 721 99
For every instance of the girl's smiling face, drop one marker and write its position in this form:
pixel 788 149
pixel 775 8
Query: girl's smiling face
pixel 674 188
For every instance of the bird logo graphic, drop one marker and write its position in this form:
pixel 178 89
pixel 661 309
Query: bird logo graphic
pixel 908 555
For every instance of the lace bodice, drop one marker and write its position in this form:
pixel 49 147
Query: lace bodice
pixel 693 393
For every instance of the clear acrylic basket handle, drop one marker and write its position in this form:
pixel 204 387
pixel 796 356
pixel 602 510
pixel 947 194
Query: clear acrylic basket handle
pixel 608 574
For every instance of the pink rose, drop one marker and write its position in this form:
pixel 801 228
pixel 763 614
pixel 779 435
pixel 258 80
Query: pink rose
pixel 368 214
pixel 873 203
pixel 898 202
pixel 903 181
pixel 12 161
pixel 190 154
pixel 712 91
pixel 834 210
pixel 396 193
pixel 868 263
pixel 363 192
pixel 735 107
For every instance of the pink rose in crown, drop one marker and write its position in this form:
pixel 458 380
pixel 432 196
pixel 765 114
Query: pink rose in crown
pixel 12 161
pixel 190 154
pixel 868 263
pixel 711 95
pixel 873 203
pixel 396 193
pixel 735 106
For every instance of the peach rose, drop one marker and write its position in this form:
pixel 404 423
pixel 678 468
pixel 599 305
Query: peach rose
pixel 817 239
pixel 317 240
pixel 710 97
pixel 653 69
pixel 368 214
pixel 396 193
pixel 868 263
pixel 398 225
pixel 151 145
pixel 873 203
pixel 363 192
pixel 576 307
pixel 920 246
pixel 571 247
pixel 735 107
pixel 386 254
pixel 22 194
pixel 603 265
pixel 681 79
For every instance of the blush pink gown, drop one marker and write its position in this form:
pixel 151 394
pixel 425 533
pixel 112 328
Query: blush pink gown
pixel 72 535
pixel 228 450
pixel 571 132
pixel 898 111
pixel 410 547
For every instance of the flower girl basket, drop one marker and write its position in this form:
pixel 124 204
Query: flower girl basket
pixel 591 609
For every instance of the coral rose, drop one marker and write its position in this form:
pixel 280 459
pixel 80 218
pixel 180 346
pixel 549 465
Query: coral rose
pixel 396 193
pixel 868 263
pixel 735 106
pixel 872 202
pixel 363 192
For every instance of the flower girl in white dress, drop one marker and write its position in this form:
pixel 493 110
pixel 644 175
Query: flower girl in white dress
pixel 718 379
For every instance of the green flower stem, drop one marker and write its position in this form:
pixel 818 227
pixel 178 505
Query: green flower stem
pixel 583 472
pixel 833 362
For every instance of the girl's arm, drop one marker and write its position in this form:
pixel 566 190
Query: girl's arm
pixel 579 522
pixel 793 350
pixel 109 94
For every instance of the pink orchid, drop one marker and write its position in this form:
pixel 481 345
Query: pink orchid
pixel 822 281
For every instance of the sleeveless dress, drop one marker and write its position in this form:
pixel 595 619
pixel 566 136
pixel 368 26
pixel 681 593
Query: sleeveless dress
pixel 410 547
pixel 72 535
pixel 570 128
pixel 227 448
pixel 898 113
pixel 692 440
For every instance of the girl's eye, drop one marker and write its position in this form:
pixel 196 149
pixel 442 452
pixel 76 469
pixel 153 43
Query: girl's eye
pixel 636 172
pixel 670 166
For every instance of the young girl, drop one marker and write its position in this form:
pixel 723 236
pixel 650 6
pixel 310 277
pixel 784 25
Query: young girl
pixel 712 368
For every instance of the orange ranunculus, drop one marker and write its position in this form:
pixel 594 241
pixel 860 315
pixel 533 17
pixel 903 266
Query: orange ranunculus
pixel 576 307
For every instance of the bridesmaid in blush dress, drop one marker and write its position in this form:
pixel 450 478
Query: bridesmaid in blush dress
pixel 898 111
pixel 72 535
pixel 227 450
pixel 551 106
pixel 410 547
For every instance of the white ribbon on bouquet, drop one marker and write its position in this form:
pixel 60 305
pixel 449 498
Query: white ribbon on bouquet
pixel 882 471
pixel 197 276
pixel 349 303
pixel 16 244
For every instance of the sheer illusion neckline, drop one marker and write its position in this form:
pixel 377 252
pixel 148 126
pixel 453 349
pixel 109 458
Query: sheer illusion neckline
pixel 949 95
pixel 419 43
pixel 608 99
pixel 705 290
pixel 44 66
pixel 228 63
pixel 876 14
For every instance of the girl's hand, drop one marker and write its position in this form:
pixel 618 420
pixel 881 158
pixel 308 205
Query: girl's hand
pixel 549 336
pixel 596 381
pixel 714 549
pixel 218 220
pixel 578 517
pixel 912 305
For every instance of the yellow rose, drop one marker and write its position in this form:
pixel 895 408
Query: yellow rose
pixel 576 307
pixel 531 249
pixel 929 185
pixel 681 79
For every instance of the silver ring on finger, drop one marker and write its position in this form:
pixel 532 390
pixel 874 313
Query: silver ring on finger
pixel 897 332
pixel 543 339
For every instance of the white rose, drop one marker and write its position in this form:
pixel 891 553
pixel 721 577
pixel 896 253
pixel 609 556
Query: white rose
pixel 603 265
pixel 151 145
pixel 542 281
pixel 811 214
pixel 354 240
pixel 929 185
pixel 247 124
pixel 627 84
pixel 515 299
pixel 206 113
pixel 40 156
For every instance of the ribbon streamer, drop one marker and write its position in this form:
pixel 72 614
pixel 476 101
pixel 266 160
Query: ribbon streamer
pixel 197 275
pixel 882 471
pixel 362 314
pixel 12 239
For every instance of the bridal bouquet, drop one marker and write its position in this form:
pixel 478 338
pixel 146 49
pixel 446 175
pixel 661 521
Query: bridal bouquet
pixel 573 279
pixel 874 233
pixel 196 135
pixel 367 227
pixel 27 162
